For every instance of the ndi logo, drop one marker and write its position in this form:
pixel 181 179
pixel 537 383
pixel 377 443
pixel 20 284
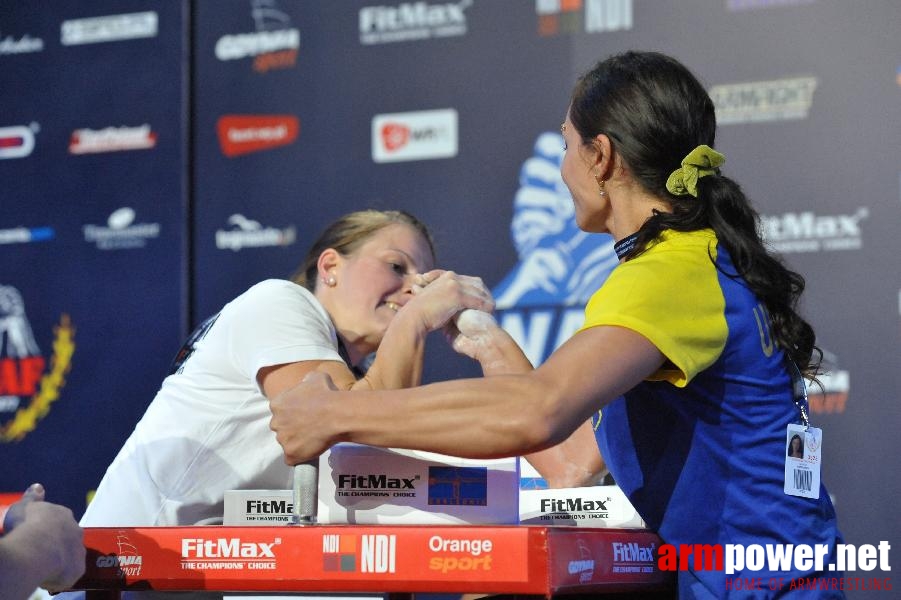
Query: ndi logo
pixel 562 16
pixel 377 553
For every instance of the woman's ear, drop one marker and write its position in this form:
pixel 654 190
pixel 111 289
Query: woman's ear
pixel 327 263
pixel 604 161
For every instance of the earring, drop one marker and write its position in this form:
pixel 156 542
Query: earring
pixel 602 191
pixel 330 281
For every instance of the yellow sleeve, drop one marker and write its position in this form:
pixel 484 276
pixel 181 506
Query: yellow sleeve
pixel 671 295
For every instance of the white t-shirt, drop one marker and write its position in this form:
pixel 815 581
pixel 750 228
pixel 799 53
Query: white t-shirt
pixel 207 429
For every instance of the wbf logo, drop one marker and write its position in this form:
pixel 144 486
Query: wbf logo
pixel 30 382
pixel 541 301
pixel 458 486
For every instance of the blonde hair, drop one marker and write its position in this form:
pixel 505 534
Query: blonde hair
pixel 349 232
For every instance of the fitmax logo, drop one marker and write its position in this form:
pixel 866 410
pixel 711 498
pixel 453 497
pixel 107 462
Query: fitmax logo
pixel 633 552
pixel 269 507
pixel 571 505
pixel 375 482
pixel 226 548
pixel 809 232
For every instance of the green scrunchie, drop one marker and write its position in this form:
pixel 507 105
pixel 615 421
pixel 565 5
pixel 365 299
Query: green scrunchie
pixel 701 161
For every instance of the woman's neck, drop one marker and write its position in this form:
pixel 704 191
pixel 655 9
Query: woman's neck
pixel 630 210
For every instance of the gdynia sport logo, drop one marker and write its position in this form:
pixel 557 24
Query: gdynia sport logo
pixel 790 559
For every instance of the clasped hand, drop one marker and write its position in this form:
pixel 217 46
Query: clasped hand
pixel 306 405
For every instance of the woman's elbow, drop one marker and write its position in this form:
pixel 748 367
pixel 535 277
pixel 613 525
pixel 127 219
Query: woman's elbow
pixel 538 429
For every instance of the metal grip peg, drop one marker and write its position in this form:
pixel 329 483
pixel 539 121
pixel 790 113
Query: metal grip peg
pixel 306 493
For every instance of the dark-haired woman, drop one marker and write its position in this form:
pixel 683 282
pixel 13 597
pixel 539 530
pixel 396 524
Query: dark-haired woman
pixel 795 447
pixel 687 349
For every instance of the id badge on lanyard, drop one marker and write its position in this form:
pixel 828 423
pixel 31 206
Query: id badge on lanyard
pixel 803 447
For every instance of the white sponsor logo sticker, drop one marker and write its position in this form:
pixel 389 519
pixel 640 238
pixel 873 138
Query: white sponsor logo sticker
pixel 414 135
pixel 111 28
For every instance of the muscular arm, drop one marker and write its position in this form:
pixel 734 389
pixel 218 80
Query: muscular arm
pixel 502 415
pixel 574 462
pixel 398 363
pixel 399 360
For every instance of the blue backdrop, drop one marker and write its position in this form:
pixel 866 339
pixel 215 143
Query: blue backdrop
pixel 157 159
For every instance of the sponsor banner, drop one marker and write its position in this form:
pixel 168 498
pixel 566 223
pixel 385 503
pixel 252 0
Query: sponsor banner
pixel 811 232
pixel 243 134
pixel 411 21
pixel 755 101
pixel 17 141
pixel 583 16
pixel 315 558
pixel 247 233
pixel 26 235
pixel 24 45
pixel 121 232
pixel 622 560
pixel 111 28
pixel 31 378
pixel 366 485
pixel 273 45
pixel 111 139
pixel 258 507
pixel 418 135
pixel 594 506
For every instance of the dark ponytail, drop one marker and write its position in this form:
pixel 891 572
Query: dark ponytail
pixel 656 112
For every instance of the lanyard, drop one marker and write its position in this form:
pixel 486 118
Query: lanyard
pixel 799 393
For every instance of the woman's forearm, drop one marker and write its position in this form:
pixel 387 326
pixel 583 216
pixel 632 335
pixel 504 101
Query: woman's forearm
pixel 509 415
pixel 502 415
pixel 399 361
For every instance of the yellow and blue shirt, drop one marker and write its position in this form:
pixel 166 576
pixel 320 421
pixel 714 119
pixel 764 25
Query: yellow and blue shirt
pixel 699 447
